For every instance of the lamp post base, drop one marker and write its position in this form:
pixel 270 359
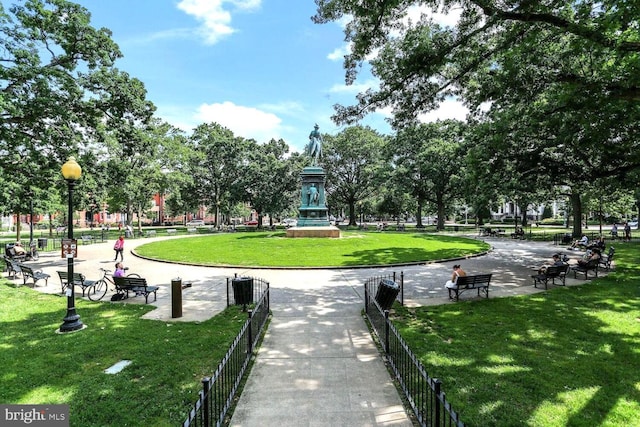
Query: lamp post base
pixel 71 322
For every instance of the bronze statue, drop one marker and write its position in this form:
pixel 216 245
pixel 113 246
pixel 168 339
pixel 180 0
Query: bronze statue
pixel 314 148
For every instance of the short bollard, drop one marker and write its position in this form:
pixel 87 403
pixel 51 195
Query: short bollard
pixel 176 298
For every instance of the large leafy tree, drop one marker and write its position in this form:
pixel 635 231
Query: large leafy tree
pixel 560 79
pixel 135 167
pixel 58 84
pixel 270 180
pixel 355 167
pixel 218 167
pixel 419 62
pixel 429 164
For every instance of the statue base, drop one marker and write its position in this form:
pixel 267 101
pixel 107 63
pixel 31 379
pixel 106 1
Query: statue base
pixel 310 231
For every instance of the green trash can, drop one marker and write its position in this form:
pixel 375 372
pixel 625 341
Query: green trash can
pixel 242 290
pixel 387 292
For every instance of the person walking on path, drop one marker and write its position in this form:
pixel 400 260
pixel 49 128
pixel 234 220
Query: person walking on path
pixel 119 248
pixel 627 232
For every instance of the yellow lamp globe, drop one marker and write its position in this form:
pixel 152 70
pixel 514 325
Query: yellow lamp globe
pixel 71 170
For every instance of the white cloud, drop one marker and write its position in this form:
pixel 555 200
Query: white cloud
pixel 451 108
pixel 246 122
pixel 354 88
pixel 339 53
pixel 215 17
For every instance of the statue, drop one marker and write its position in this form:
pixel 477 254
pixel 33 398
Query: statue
pixel 314 148
pixel 313 195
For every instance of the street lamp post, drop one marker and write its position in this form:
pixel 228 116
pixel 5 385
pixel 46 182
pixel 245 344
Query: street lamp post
pixel 30 219
pixel 71 172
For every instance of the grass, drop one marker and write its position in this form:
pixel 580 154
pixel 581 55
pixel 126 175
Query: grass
pixel 568 356
pixel 274 249
pixel 158 388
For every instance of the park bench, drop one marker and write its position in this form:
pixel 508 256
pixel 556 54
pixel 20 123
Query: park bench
pixel 605 261
pixel 150 233
pixel 171 231
pixel 10 251
pixel 136 285
pixel 12 267
pixel 192 230
pixel 86 239
pixel 591 265
pixel 552 273
pixel 518 235
pixel 465 283
pixel 78 280
pixel 35 275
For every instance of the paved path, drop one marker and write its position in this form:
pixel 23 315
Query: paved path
pixel 318 365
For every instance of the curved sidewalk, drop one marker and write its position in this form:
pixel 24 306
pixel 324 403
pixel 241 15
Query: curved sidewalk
pixel 318 364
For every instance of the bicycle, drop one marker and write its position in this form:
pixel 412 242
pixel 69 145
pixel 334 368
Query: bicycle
pixel 101 286
pixel 33 251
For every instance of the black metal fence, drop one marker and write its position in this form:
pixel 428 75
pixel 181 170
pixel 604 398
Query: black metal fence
pixel 218 391
pixel 423 393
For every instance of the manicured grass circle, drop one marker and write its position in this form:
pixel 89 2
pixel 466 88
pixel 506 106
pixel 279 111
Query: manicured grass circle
pixel 274 249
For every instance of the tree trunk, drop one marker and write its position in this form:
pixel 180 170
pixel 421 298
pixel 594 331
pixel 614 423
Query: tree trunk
pixel 352 214
pixel 441 207
pixel 576 207
pixel 419 216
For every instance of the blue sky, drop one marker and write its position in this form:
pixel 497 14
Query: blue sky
pixel 261 68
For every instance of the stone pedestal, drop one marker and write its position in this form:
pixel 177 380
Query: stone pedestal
pixel 313 214
pixel 328 231
pixel 313 211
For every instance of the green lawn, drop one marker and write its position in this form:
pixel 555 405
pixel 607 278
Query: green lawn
pixel 40 366
pixel 569 356
pixel 274 249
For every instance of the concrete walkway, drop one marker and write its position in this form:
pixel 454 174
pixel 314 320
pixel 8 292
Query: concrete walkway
pixel 318 365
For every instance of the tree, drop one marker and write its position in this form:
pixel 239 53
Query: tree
pixel 428 164
pixel 560 80
pixel 135 168
pixel 58 85
pixel 270 181
pixel 353 161
pixel 218 167
pixel 420 62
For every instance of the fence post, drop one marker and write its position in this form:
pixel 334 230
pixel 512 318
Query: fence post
pixel 437 386
pixel 366 298
pixel 386 332
pixel 250 333
pixel 206 397
pixel 402 288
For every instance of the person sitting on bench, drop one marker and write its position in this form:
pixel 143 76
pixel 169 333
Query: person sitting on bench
pixel 556 261
pixel 592 254
pixel 457 272
pixel 584 241
pixel 120 270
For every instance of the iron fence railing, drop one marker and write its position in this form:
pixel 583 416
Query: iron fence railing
pixel 218 391
pixel 423 393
